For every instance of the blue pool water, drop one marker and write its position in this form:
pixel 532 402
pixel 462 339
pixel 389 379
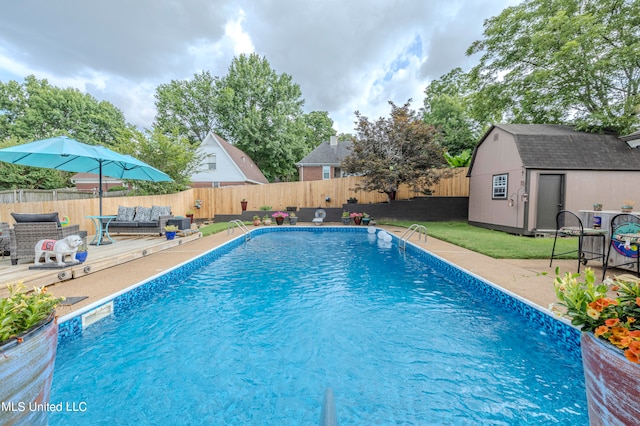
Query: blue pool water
pixel 258 335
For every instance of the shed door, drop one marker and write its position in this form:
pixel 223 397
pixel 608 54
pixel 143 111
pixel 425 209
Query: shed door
pixel 550 200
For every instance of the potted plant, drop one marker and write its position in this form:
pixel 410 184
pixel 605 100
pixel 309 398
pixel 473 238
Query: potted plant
pixel 293 219
pixel 28 343
pixel 279 217
pixel 82 253
pixel 345 218
pixel 256 220
pixel 627 206
pixel 352 200
pixel 170 231
pixel 266 220
pixel 357 217
pixel 597 207
pixel 198 204
pixel 189 214
pixel 606 314
pixel 243 204
pixel 365 218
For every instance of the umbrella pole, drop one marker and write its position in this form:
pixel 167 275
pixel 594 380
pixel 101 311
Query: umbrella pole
pixel 100 189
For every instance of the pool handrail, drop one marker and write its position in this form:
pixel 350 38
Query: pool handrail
pixel 240 224
pixel 409 232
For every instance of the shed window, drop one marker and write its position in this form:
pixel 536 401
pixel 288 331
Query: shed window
pixel 500 186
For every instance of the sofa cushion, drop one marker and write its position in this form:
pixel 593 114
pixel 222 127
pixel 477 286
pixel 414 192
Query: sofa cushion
pixel 125 214
pixel 147 224
pixel 143 214
pixel 123 224
pixel 157 211
pixel 36 217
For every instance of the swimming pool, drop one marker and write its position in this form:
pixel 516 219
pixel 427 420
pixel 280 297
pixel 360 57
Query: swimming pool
pixel 257 335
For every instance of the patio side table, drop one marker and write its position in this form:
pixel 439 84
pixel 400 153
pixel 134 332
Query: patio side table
pixel 102 236
pixel 180 222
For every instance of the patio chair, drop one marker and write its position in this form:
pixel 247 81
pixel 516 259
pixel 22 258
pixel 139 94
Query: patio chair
pixel 625 240
pixel 24 234
pixel 319 214
pixel 568 224
pixel 4 238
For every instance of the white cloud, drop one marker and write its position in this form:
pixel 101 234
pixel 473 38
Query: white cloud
pixel 346 56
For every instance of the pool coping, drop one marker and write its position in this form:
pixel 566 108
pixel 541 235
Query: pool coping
pixel 71 325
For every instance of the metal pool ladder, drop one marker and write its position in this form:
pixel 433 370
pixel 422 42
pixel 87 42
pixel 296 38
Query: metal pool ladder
pixel 237 223
pixel 421 229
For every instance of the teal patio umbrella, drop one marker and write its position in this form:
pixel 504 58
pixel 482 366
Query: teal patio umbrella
pixel 64 153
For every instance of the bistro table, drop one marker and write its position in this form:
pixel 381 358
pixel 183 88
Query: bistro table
pixel 620 256
pixel 102 230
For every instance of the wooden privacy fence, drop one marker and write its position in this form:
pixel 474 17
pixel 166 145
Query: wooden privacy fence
pixel 34 195
pixel 226 200
pixel 318 193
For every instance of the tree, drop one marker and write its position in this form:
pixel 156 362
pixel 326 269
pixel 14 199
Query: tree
pixel 449 105
pixel 172 154
pixel 319 129
pixel 36 110
pixel 188 107
pixel 259 111
pixel 396 150
pixel 561 61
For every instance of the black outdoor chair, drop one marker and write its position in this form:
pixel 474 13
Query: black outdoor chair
pixel 568 224
pixel 625 239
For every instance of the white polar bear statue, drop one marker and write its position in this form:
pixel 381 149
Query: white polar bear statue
pixel 58 249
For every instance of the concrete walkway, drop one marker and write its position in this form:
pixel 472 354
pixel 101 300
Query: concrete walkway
pixel 531 279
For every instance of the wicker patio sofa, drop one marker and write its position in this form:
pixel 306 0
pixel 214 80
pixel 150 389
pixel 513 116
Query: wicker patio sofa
pixel 140 220
pixel 31 228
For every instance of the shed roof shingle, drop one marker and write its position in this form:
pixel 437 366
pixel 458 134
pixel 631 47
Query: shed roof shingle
pixel 557 147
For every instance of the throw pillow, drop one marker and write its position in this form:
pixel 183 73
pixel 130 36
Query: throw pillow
pixel 143 214
pixel 125 214
pixel 157 211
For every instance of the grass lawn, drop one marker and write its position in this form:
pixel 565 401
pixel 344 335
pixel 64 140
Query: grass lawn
pixel 213 228
pixel 496 244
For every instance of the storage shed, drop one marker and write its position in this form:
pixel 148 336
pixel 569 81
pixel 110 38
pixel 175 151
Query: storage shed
pixel 522 175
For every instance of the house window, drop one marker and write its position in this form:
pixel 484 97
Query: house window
pixel 326 172
pixel 211 163
pixel 500 187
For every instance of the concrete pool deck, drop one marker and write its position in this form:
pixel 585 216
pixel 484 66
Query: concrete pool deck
pixel 530 279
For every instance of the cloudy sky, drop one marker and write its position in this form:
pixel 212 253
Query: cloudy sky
pixel 345 55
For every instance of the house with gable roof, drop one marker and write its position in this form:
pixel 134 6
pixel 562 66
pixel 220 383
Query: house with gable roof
pixel 324 161
pixel 222 164
pixel 522 175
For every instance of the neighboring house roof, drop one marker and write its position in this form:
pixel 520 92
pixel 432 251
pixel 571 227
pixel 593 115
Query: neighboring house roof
pixel 557 147
pixel 94 178
pixel 239 160
pixel 327 154
pixel 243 161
